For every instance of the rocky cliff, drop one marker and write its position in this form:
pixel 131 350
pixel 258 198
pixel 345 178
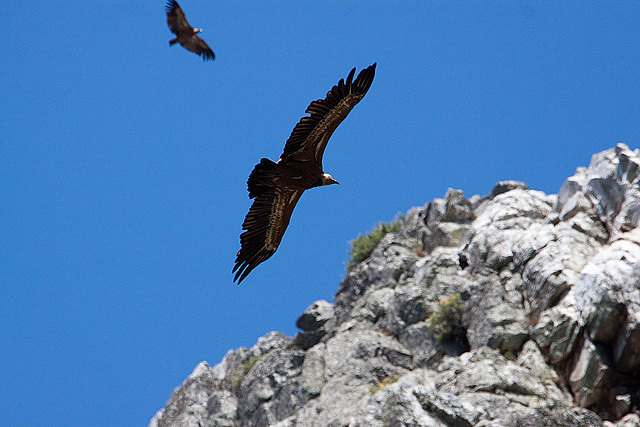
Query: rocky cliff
pixel 518 308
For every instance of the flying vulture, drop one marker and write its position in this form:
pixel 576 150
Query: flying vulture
pixel 277 187
pixel 186 35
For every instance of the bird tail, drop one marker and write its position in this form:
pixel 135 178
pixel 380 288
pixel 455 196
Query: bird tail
pixel 261 177
pixel 172 42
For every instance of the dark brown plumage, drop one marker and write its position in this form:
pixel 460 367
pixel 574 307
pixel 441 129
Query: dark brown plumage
pixel 185 34
pixel 277 187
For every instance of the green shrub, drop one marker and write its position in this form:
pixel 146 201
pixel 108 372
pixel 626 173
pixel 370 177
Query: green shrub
pixel 447 318
pixel 362 246
pixel 244 370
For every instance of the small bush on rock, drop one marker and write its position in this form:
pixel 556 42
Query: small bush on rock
pixel 447 319
pixel 362 246
pixel 246 367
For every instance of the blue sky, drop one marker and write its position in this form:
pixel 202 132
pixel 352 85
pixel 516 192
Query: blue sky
pixel 123 165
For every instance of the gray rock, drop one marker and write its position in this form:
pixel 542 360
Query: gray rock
pixel 313 372
pixel 312 322
pixel 540 295
pixel 449 234
pixel 197 401
pixel 532 359
pixel 269 392
pixel 631 420
pixel 505 186
pixel 574 417
pixel 558 329
pixel 478 388
pixel 483 388
pixel 315 316
pixel 556 267
pixel 495 315
pixel 417 338
pixel 457 208
pixel 621 405
pixel 307 340
pixel 447 221
pixel 387 262
pixel 608 187
pixel 591 378
pixel 608 296
pixel 269 342
pixel 500 224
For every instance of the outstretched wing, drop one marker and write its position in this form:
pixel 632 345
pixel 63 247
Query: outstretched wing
pixel 176 20
pixel 310 136
pixel 197 45
pixel 265 225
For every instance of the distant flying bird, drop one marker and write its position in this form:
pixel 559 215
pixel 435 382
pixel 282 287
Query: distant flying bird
pixel 186 35
pixel 277 187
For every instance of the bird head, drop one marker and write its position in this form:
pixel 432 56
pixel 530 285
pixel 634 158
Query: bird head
pixel 328 179
pixel 198 30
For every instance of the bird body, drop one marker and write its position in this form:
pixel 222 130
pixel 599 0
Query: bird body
pixel 277 186
pixel 291 175
pixel 186 35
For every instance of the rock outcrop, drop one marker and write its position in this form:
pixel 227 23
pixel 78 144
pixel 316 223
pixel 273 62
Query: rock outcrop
pixel 518 308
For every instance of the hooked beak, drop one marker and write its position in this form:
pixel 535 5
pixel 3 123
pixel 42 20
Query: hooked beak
pixel 328 180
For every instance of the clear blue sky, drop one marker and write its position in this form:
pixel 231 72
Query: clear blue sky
pixel 123 165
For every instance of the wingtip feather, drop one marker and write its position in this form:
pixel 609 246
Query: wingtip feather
pixel 171 5
pixel 350 76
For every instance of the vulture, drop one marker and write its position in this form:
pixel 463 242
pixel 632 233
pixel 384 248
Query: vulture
pixel 277 186
pixel 186 35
